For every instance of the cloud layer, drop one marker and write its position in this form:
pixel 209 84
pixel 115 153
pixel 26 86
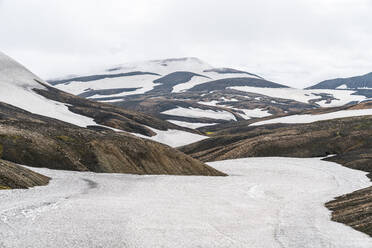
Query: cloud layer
pixel 293 42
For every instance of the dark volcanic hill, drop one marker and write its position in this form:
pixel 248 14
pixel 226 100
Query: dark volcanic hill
pixel 363 84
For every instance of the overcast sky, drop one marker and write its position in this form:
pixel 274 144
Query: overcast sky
pixel 295 42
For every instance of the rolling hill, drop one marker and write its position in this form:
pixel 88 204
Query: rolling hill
pixel 44 127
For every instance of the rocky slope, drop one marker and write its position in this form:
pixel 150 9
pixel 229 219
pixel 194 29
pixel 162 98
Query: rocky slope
pixel 316 139
pixel 40 141
pixel 341 136
pixel 354 210
pixel 13 176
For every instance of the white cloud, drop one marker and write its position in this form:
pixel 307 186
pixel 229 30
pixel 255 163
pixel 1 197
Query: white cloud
pixel 294 42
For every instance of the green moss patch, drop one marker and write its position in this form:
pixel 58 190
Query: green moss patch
pixel 4 187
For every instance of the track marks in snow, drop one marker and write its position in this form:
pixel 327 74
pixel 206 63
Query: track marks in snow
pixel 91 185
pixel 40 206
pixel 267 202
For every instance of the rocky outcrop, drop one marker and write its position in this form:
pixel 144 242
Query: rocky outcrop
pixel 354 209
pixel 13 176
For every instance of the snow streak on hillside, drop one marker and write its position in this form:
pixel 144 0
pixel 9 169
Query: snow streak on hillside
pixel 200 113
pixel 174 138
pixel 308 118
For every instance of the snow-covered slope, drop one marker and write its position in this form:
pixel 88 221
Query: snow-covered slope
pixel 266 202
pixel 174 138
pixel 174 89
pixel 16 88
pixel 142 77
pixel 190 78
pixel 200 113
pixel 178 79
pixel 184 74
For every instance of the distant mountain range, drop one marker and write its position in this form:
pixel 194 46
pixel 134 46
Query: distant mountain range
pixel 358 82
pixel 191 93
pixel 156 76
pixel 361 85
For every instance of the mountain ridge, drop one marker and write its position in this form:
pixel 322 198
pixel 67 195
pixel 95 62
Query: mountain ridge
pixel 355 82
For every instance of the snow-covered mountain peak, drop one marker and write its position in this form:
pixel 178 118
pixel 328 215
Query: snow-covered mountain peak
pixel 162 66
pixel 165 75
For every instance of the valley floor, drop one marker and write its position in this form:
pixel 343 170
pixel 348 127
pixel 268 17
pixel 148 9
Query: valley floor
pixel 265 202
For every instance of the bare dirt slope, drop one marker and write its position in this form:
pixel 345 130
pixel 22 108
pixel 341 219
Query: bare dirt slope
pixel 13 176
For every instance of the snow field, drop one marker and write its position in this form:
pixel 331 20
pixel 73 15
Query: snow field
pixel 192 125
pixel 200 113
pixel 143 82
pixel 173 137
pixel 265 202
pixel 254 113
